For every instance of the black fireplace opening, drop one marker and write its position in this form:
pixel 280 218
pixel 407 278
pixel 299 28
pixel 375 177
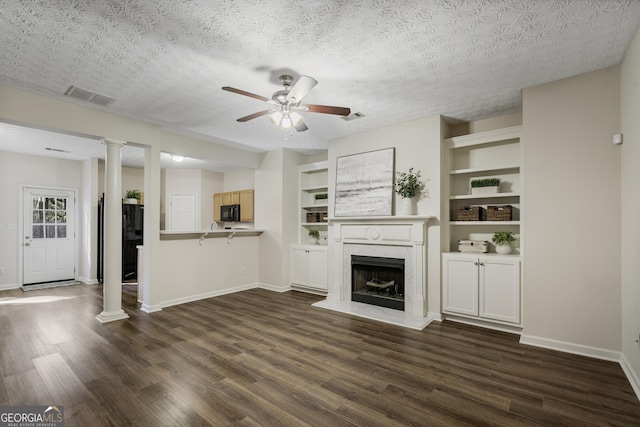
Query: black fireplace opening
pixel 378 281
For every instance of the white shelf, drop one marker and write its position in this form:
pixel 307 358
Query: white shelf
pixel 484 196
pixel 315 189
pixel 496 169
pixel 484 223
pixel 308 224
pixel 324 206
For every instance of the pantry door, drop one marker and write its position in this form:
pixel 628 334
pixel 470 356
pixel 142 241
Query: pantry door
pixel 48 247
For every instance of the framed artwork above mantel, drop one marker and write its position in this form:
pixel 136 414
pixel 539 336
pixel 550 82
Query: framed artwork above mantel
pixel 364 184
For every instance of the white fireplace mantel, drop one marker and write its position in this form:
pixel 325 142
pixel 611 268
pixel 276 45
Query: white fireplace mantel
pixel 389 236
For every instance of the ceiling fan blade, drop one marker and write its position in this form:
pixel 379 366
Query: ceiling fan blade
pixel 253 116
pixel 301 127
pixel 302 87
pixel 245 93
pixel 327 109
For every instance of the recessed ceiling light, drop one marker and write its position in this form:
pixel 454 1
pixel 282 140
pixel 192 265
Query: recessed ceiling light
pixel 177 158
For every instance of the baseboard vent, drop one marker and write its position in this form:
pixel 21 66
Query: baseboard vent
pixel 89 96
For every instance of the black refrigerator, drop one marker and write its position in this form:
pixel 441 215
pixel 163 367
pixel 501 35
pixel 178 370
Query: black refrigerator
pixel 132 226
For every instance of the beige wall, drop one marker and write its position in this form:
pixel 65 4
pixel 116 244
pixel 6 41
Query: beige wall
pixel 417 145
pixel 17 169
pixel 571 212
pixel 630 93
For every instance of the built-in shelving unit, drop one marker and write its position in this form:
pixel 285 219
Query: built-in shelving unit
pixel 313 180
pixel 483 288
pixel 492 154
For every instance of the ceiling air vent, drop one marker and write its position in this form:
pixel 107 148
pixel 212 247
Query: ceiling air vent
pixel 353 116
pixel 89 96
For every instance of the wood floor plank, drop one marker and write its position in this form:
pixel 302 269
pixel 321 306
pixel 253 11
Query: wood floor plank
pixel 260 358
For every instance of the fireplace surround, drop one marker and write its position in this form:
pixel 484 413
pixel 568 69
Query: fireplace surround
pixel 394 237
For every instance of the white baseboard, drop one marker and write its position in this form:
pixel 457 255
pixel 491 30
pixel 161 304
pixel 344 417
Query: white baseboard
pixel 9 286
pixel 205 295
pixel 88 281
pixel 632 376
pixel 150 308
pixel 436 316
pixel 273 288
pixel 567 347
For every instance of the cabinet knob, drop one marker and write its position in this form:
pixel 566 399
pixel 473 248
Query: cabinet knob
pixel 481 263
pixel 475 263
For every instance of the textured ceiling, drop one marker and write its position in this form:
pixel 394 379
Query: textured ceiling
pixel 164 61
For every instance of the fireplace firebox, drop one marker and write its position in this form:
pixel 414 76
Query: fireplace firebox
pixel 378 281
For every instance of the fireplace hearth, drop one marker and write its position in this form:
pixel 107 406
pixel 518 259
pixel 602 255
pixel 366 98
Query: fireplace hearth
pixel 378 281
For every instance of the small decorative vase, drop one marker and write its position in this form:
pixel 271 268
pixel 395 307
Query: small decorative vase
pixel 503 249
pixel 313 240
pixel 129 201
pixel 407 206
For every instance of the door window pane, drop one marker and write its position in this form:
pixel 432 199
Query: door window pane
pixel 50 203
pixel 50 216
pixel 51 231
pixel 38 217
pixel 62 231
pixel 61 217
pixel 38 202
pixel 61 204
pixel 37 232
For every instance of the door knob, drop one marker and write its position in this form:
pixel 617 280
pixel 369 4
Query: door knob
pixel 27 237
pixel 27 244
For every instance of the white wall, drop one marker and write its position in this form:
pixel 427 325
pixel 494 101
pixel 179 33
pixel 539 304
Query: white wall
pixel 132 179
pixel 241 179
pixel 571 213
pixel 630 98
pixel 417 145
pixel 188 270
pixel 212 182
pixel 16 169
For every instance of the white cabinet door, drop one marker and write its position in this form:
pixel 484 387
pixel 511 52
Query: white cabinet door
pixel 499 281
pixel 318 268
pixel 460 284
pixel 308 266
pixel 299 268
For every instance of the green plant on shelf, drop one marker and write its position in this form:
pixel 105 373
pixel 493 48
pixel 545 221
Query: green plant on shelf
pixel 485 182
pixel 408 184
pixel 314 234
pixel 133 194
pixel 503 237
pixel 321 196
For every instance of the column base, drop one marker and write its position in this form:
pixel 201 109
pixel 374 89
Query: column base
pixel 105 317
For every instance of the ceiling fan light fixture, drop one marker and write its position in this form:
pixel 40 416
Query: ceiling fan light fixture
pixel 296 119
pixel 286 122
pixel 276 117
pixel 177 158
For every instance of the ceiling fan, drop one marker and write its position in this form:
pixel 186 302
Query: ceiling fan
pixel 287 102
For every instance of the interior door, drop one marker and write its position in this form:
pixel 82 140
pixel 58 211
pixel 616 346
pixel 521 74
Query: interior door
pixel 184 213
pixel 48 235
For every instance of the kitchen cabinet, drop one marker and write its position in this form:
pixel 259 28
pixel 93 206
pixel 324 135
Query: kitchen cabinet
pixel 483 286
pixel 244 198
pixel 217 202
pixel 246 205
pixel 308 266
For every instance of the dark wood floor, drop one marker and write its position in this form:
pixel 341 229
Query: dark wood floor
pixel 259 358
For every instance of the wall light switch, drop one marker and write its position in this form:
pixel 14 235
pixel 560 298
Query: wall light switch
pixel 11 226
pixel 617 139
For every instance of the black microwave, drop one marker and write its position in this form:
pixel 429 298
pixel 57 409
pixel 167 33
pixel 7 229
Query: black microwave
pixel 230 213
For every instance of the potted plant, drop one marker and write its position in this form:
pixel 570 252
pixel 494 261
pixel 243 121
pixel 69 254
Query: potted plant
pixel 133 197
pixel 485 186
pixel 314 235
pixel 321 198
pixel 502 240
pixel 408 186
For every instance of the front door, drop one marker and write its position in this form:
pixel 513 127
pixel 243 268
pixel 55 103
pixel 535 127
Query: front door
pixel 48 235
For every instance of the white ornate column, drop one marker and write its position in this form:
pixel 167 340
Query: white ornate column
pixel 112 286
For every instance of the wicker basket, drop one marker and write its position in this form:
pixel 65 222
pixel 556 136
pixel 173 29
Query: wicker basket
pixel 499 213
pixel 472 213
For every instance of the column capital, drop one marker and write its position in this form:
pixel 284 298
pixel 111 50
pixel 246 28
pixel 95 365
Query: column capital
pixel 112 142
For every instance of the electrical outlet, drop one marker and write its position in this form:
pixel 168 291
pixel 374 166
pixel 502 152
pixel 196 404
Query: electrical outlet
pixel 244 270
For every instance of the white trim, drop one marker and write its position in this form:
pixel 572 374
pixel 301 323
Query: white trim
pixel 9 286
pixel 631 375
pixel 435 316
pixel 88 281
pixel 567 347
pixel 212 294
pixel 496 326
